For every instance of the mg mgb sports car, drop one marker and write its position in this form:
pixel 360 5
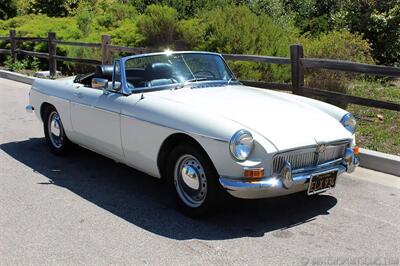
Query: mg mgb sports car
pixel 184 117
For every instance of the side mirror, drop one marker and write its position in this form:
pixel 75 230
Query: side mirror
pixel 99 83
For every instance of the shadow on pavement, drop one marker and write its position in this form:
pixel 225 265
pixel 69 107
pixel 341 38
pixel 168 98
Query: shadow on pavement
pixel 143 201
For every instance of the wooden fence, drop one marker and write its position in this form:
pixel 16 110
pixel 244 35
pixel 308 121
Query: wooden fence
pixel 296 61
pixel 106 49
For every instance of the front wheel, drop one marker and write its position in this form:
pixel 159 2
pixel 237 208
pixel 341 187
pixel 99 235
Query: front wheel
pixel 54 132
pixel 193 181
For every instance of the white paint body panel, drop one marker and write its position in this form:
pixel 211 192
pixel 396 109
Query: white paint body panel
pixel 131 129
pixel 96 120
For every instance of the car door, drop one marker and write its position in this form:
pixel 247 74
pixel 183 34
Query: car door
pixel 96 118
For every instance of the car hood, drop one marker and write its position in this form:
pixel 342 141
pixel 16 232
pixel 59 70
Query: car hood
pixel 279 117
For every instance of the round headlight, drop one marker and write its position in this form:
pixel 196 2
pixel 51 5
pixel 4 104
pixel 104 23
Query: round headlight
pixel 241 145
pixel 349 122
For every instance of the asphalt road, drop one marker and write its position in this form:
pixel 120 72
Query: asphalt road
pixel 87 209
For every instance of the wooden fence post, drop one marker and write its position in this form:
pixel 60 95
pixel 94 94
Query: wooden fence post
pixel 105 52
pixel 52 52
pixel 297 52
pixel 13 43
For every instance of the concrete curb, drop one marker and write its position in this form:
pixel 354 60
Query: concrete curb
pixel 382 162
pixel 16 77
pixel 379 161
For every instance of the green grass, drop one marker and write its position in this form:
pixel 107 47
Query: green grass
pixel 378 129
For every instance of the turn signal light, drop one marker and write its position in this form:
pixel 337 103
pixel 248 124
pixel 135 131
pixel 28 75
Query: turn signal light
pixel 355 150
pixel 254 173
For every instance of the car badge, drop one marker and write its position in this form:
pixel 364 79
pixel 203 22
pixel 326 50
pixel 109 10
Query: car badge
pixel 321 148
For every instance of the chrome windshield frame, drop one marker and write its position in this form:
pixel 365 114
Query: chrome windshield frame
pixel 125 90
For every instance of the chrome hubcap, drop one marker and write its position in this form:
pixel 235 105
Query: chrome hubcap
pixel 190 180
pixel 55 129
pixel 190 177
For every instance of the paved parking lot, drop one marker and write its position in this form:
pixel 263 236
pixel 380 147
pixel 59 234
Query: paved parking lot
pixel 87 209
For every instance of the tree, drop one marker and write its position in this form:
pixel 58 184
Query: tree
pixel 51 8
pixel 379 22
pixel 8 9
pixel 314 16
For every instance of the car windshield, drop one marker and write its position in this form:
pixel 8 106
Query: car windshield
pixel 175 69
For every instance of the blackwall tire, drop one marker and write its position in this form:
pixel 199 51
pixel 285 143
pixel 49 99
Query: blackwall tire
pixel 193 181
pixel 55 136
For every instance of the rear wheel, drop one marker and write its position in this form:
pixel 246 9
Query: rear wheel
pixel 54 132
pixel 193 181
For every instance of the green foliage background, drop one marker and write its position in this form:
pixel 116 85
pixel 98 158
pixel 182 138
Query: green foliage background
pixel 360 30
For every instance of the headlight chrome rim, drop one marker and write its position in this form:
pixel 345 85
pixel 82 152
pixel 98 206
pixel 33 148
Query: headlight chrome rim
pixel 241 145
pixel 349 122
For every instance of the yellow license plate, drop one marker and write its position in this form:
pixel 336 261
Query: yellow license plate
pixel 322 182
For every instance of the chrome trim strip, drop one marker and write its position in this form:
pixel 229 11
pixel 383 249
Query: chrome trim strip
pixel 176 129
pixel 326 164
pixel 335 142
pixel 170 52
pixel 95 107
pixel 141 119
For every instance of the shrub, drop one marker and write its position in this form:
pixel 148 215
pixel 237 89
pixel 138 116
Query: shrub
pixel 126 34
pixel 192 32
pixel 335 45
pixel 231 29
pixel 84 21
pixel 111 15
pixel 157 25
pixel 339 45
pixel 18 65
pixel 237 30
pixel 39 26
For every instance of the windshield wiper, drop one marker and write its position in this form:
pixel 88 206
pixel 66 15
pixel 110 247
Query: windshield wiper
pixel 194 80
pixel 232 79
pixel 183 84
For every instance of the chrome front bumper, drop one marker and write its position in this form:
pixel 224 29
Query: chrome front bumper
pixel 268 187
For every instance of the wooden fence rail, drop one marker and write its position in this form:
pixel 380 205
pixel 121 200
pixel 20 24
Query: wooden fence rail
pixel 349 66
pixel 296 61
pixel 258 58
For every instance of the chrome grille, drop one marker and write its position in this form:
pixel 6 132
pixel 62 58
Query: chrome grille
pixel 309 157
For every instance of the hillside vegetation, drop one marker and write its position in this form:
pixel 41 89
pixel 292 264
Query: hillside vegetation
pixel 365 31
pixel 370 27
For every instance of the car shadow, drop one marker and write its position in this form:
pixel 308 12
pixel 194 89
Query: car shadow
pixel 144 201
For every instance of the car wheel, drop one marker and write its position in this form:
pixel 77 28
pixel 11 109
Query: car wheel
pixel 54 132
pixel 193 181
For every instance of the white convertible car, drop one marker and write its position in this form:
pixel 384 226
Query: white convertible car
pixel 184 117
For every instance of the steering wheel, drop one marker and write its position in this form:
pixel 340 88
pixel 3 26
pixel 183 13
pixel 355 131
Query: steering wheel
pixel 205 71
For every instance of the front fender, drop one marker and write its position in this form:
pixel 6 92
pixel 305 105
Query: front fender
pixel 153 119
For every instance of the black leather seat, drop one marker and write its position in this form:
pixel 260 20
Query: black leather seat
pixel 104 71
pixel 158 74
pixel 159 71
